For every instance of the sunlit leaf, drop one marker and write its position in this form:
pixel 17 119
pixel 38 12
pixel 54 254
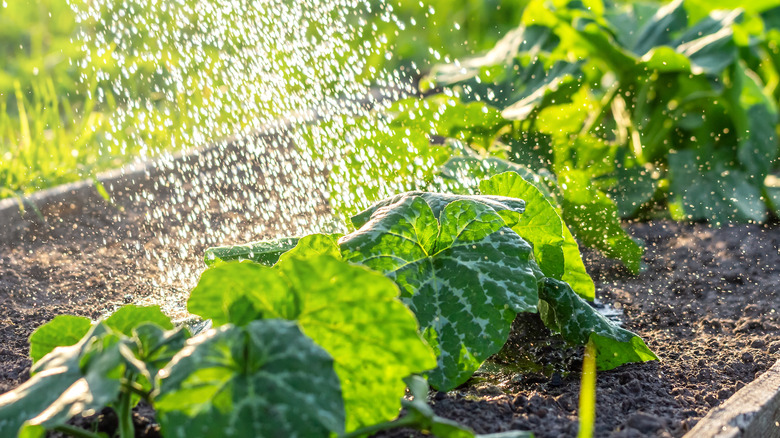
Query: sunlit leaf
pixel 351 312
pixel 461 269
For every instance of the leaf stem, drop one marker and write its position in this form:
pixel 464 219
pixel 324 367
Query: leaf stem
pixel 124 410
pixel 137 389
pixel 76 431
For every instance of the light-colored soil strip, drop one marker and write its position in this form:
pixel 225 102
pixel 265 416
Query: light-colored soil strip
pixel 754 411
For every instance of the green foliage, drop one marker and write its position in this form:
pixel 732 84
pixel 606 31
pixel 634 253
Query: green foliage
pixel 61 331
pixel 555 249
pixel 265 252
pixel 82 366
pixel 461 269
pixel 69 380
pixel 264 379
pixel 351 312
pixel 629 106
pixel 308 342
pixel 465 265
pixel 568 314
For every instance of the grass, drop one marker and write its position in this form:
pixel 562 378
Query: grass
pixel 54 129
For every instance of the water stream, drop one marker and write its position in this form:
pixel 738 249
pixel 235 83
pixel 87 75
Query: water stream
pixel 194 74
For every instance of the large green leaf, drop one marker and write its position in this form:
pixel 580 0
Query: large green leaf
pixel 568 314
pixel 263 380
pixel 62 331
pixel 555 249
pixel 438 201
pixel 465 275
pixel 66 382
pixel 465 173
pixel 755 116
pixel 350 311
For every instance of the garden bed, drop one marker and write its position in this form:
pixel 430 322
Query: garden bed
pixel 705 303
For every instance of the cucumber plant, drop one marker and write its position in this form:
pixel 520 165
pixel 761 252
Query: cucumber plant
pixel 321 335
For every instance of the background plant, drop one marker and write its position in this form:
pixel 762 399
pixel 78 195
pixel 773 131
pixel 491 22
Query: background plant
pixel 673 106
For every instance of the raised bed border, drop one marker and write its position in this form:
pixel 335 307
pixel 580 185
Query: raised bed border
pixel 753 411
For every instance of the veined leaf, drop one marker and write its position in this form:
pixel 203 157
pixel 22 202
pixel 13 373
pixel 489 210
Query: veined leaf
pixel 555 250
pixel 66 382
pixel 62 331
pixel 438 201
pixel 465 275
pixel 566 313
pixel 265 379
pixel 468 172
pixel 351 312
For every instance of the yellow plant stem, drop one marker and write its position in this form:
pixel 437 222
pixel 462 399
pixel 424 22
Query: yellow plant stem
pixel 588 392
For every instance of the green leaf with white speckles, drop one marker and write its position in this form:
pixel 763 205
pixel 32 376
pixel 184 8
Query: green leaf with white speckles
pixel 350 311
pixel 265 379
pixel 555 249
pixel 568 314
pixel 465 275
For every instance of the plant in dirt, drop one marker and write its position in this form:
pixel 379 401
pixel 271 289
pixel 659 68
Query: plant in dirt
pixel 466 266
pixel 315 336
pixel 350 311
pixel 263 371
pixel 80 366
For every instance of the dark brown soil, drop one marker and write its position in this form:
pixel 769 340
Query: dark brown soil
pixel 706 304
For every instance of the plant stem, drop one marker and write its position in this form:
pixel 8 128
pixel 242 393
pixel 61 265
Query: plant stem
pixel 408 420
pixel 137 389
pixel 587 410
pixel 76 431
pixel 124 410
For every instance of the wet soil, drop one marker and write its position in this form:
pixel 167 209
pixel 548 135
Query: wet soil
pixel 706 303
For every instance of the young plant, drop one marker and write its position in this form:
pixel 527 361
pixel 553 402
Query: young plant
pixel 80 366
pixel 350 311
pixel 466 266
